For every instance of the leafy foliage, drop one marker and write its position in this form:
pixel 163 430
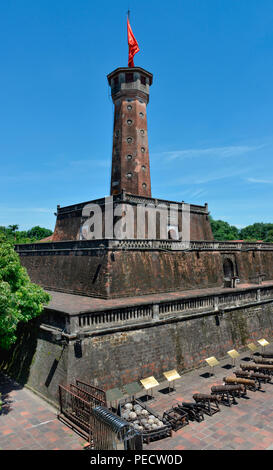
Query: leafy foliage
pixel 20 299
pixel 259 231
pixel 38 232
pixel 13 235
pixel 223 231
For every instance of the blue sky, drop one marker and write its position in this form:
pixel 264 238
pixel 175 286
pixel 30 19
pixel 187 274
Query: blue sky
pixel 210 114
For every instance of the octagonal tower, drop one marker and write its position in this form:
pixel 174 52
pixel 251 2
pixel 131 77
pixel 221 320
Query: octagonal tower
pixel 130 88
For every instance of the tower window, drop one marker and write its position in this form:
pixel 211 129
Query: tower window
pixel 142 80
pixel 129 140
pixel 129 157
pixel 129 175
pixel 116 81
pixel 129 77
pixel 129 122
pixel 129 107
pixel 141 115
pixel 142 149
pixel 144 185
pixel 142 132
pixel 143 167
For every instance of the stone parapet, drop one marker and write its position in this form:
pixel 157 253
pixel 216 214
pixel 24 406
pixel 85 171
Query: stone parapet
pixel 148 313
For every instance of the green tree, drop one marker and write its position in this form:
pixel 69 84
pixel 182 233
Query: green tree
pixel 223 231
pixel 269 236
pixel 13 228
pixel 38 233
pixel 13 235
pixel 257 231
pixel 20 299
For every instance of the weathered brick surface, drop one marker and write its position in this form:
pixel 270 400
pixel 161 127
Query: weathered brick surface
pixel 70 272
pixel 120 358
pixel 125 273
pixel 113 359
pixel 69 219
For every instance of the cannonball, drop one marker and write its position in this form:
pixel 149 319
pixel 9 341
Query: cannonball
pixel 125 415
pixel 128 406
pixel 144 412
pixel 154 426
pixel 132 415
pixel 150 421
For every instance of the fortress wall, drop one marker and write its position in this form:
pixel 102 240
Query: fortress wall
pixel 119 357
pixel 200 227
pixel 123 272
pixel 36 360
pixel 69 219
pixel 250 263
pixel 67 227
pixel 145 272
pixel 69 271
pixel 116 359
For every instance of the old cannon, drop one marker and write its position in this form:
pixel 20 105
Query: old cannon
pixel 258 376
pixel 208 403
pixel 194 410
pixel 246 382
pixel 226 393
pixel 264 368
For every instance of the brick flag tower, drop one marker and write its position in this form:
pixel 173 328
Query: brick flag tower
pixel 130 87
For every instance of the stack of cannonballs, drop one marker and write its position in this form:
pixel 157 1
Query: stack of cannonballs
pixel 140 418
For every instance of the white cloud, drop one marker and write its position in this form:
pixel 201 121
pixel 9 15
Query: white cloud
pixel 259 181
pixel 198 192
pixel 219 152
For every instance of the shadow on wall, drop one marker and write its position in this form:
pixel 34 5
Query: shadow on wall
pixel 6 387
pixel 16 361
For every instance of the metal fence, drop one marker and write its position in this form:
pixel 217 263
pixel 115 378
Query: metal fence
pixel 76 404
pixel 111 432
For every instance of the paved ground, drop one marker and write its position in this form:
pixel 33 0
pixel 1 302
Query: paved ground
pixel 28 422
pixel 247 425
pixel 73 304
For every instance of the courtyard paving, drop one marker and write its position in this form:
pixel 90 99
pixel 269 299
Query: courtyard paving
pixel 28 422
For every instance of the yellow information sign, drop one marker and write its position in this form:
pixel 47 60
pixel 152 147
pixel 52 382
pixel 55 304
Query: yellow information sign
pixel 263 342
pixel 172 375
pixel 233 353
pixel 212 361
pixel 252 346
pixel 149 383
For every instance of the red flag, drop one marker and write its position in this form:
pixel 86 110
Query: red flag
pixel 132 43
